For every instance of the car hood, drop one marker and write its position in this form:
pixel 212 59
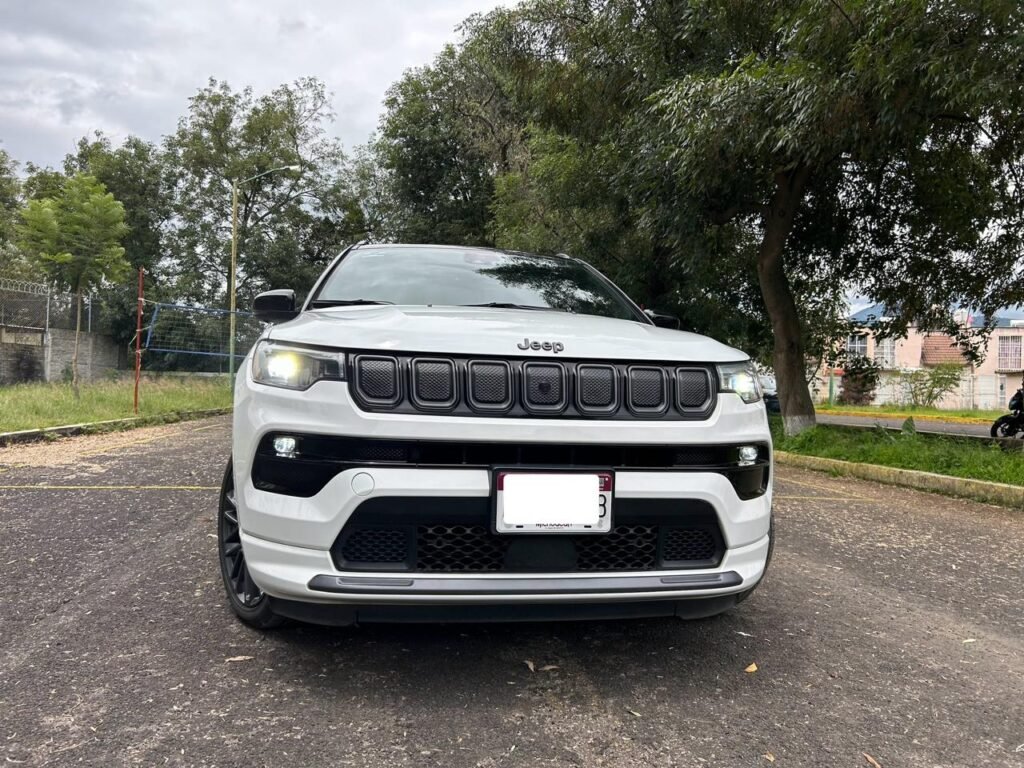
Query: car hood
pixel 497 332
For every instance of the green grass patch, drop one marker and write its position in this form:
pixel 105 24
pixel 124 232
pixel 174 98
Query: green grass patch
pixel 35 406
pixel 974 459
pixel 902 412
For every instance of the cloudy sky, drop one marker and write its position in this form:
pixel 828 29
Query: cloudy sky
pixel 68 67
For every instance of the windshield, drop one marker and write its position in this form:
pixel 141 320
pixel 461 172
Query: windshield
pixel 435 276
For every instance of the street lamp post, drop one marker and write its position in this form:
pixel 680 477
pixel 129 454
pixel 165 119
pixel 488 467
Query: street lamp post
pixel 235 184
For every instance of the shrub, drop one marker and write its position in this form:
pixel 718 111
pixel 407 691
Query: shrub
pixel 860 380
pixel 923 388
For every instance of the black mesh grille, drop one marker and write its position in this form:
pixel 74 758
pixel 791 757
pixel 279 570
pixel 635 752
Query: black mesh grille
pixel 545 386
pixel 626 547
pixel 693 389
pixel 370 545
pixel 435 534
pixel 458 548
pixel 377 378
pixel 433 382
pixel 647 389
pixel 596 385
pixel 689 544
pixel 490 384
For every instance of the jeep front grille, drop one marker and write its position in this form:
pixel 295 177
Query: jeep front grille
pixel 531 388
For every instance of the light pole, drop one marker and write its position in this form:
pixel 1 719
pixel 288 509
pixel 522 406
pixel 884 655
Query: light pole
pixel 235 184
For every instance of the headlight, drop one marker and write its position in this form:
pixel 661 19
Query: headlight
pixel 282 365
pixel 740 378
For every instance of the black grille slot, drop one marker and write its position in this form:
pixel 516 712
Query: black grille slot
pixel 693 388
pixel 624 548
pixel 596 387
pixel 371 545
pixel 490 385
pixel 433 383
pixel 458 548
pixel 647 389
pixel 377 379
pixel 689 544
pixel 544 385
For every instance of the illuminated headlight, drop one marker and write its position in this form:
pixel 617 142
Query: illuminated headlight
pixel 740 378
pixel 283 365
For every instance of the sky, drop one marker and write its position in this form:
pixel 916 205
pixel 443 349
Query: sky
pixel 69 67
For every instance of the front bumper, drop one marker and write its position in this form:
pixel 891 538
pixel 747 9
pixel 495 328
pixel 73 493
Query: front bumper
pixel 287 539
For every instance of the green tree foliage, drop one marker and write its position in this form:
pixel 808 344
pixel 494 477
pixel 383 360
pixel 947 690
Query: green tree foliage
pixel 748 162
pixel 440 184
pixel 10 202
pixel 76 238
pixel 290 223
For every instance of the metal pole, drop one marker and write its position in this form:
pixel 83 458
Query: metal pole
pixel 138 344
pixel 231 281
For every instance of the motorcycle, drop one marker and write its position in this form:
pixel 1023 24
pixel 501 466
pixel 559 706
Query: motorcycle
pixel 1013 424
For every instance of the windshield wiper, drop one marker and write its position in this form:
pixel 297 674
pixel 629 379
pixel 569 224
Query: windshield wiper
pixel 318 303
pixel 510 305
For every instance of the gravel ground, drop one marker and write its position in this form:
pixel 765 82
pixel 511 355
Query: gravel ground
pixel 889 633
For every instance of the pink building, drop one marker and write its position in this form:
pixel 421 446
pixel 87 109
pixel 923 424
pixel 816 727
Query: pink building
pixel 988 384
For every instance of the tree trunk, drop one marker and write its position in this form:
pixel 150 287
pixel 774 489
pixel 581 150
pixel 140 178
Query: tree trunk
pixel 74 354
pixel 789 357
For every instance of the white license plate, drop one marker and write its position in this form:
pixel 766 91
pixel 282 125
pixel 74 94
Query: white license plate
pixel 553 502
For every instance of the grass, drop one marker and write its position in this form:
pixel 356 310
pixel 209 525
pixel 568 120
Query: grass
pixel 975 459
pixel 903 412
pixel 34 406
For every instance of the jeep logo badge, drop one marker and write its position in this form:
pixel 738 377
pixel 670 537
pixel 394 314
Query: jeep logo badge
pixel 547 346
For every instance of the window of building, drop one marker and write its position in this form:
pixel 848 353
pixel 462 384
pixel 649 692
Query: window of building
pixel 857 345
pixel 885 353
pixel 1009 353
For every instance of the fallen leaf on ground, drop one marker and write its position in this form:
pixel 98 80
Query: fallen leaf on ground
pixel 239 658
pixel 970 640
pixel 548 667
pixel 752 668
pixel 745 634
pixel 871 760
pixel 633 712
pixel 529 665
pixel 769 757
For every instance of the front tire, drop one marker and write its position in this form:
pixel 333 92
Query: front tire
pixel 1004 426
pixel 247 600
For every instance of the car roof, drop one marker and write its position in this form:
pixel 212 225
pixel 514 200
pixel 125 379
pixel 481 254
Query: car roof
pixel 482 248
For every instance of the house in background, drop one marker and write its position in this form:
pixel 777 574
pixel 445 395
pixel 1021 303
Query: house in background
pixel 988 384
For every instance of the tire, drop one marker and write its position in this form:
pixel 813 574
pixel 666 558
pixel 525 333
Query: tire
pixel 1004 426
pixel 247 600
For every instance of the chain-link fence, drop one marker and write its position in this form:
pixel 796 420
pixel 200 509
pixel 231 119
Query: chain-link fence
pixel 182 337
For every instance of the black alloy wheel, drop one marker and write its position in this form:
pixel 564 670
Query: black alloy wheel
pixel 247 600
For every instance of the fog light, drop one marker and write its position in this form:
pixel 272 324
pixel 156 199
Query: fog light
pixel 285 447
pixel 748 455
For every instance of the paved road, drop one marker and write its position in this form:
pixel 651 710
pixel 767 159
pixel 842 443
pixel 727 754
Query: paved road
pixel 923 425
pixel 892 624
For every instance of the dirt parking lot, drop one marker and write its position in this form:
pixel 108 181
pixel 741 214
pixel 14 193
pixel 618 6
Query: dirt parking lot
pixel 890 633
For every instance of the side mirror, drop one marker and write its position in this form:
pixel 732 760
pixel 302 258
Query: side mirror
pixel 275 306
pixel 663 320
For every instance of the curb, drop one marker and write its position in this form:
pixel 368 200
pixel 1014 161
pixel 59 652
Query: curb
pixel 113 425
pixel 915 417
pixel 977 490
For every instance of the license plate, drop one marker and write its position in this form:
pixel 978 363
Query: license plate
pixel 553 502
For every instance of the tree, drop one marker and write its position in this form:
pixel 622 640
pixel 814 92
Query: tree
pixel 10 194
pixel 761 158
pixel 290 224
pixel 76 238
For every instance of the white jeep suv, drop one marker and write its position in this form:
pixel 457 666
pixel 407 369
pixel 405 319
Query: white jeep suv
pixel 449 433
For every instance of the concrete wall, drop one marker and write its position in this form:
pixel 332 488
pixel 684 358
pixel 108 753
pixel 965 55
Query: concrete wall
pixel 49 355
